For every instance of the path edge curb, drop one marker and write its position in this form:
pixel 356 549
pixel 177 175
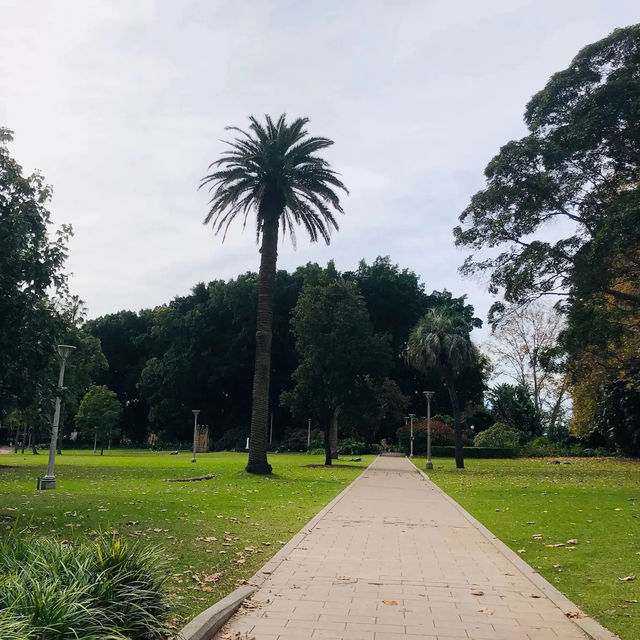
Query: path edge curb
pixel 206 624
pixel 587 624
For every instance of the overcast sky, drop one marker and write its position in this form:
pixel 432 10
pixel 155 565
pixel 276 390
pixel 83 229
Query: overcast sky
pixel 122 105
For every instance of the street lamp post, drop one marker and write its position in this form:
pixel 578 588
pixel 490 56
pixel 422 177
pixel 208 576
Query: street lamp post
pixel 49 480
pixel 428 395
pixel 195 432
pixel 308 434
pixel 411 417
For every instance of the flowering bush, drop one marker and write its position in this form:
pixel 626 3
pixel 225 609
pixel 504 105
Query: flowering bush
pixel 441 435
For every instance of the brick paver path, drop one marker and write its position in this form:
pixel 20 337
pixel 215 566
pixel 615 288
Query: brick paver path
pixel 394 558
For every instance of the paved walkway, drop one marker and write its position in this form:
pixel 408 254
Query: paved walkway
pixel 395 558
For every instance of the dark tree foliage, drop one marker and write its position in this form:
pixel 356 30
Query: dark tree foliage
pixel 31 266
pixel 618 414
pixel 513 406
pixel 580 163
pixel 126 342
pixel 197 352
pixel 338 352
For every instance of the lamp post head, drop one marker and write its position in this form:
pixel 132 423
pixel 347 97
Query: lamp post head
pixel 429 394
pixel 195 411
pixel 412 415
pixel 64 350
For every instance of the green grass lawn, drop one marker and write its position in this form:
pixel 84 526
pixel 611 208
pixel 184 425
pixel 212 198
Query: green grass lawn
pixel 593 501
pixel 249 516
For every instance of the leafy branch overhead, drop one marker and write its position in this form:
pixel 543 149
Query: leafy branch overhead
pixel 580 164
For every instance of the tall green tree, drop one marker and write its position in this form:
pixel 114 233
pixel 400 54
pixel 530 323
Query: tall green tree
pixel 99 415
pixel 441 343
pixel 273 171
pixel 580 163
pixel 339 355
pixel 513 405
pixel 32 258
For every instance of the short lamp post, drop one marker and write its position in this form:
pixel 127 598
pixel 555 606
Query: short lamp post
pixel 428 395
pixel 308 434
pixel 49 480
pixel 411 417
pixel 195 432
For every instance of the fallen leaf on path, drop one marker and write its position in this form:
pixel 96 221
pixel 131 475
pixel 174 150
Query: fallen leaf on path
pixel 477 592
pixel 390 602
pixel 535 595
pixel 487 612
pixel 574 614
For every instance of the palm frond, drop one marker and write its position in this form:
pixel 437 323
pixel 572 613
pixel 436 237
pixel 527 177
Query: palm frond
pixel 272 170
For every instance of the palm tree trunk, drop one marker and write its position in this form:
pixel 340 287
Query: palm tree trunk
pixel 457 423
pixel 257 462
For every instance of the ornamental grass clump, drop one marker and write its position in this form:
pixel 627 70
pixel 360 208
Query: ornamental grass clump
pixel 106 590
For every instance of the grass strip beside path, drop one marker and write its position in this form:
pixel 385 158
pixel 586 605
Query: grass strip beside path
pixel 531 504
pixel 214 532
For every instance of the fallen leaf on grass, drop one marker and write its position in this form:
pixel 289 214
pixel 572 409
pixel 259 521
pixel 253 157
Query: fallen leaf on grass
pixel 537 536
pixel 632 601
pixel 572 541
pixel 477 592
pixel 522 550
pixel 390 602
pixel 560 544
pixel 627 579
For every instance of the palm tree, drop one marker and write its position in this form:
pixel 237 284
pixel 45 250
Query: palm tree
pixel 440 342
pixel 272 171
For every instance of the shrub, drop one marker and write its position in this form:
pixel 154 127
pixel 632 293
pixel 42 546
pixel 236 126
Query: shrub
pixel 441 435
pixel 107 590
pixel 499 435
pixel 351 447
pixel 233 438
pixel 476 452
pixel 543 447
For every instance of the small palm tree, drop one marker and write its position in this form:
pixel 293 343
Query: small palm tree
pixel 272 171
pixel 441 342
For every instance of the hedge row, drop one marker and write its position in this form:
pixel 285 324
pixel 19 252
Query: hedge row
pixel 475 452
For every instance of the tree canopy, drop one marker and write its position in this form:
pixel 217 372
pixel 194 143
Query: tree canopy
pixel 32 257
pixel 579 163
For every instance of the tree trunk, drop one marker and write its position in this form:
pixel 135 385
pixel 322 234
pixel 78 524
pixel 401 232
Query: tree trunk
pixel 457 423
pixel 257 462
pixel 558 404
pixel 334 434
pixel 327 444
